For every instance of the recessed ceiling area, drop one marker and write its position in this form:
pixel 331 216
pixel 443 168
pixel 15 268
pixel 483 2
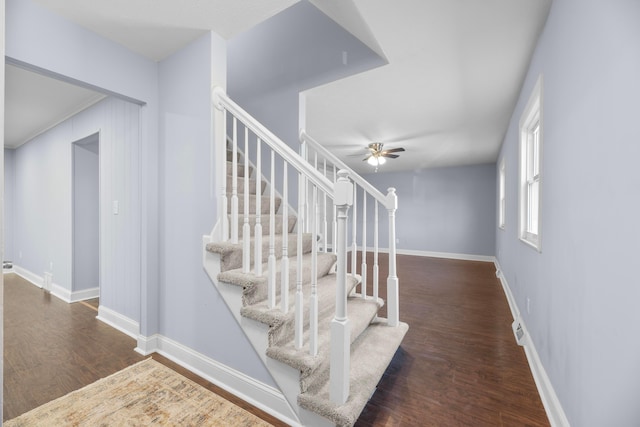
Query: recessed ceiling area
pixel 35 103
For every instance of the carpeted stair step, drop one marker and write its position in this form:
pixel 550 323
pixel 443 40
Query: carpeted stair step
pixel 252 185
pixel 240 169
pixel 230 156
pixel 231 253
pixel 281 324
pixel 264 221
pixel 255 287
pixel 371 353
pixel 265 202
pixel 316 368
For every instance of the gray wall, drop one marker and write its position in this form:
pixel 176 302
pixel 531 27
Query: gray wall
pixel 9 200
pixel 109 67
pixel 86 213
pixel 271 63
pixel 583 286
pixel 191 310
pixel 43 202
pixel 449 210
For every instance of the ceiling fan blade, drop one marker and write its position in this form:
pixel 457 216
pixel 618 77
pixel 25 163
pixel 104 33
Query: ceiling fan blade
pixel 391 156
pixel 394 150
pixel 367 158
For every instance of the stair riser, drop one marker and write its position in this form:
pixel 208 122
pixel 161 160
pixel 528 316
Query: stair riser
pixel 240 186
pixel 264 206
pixel 233 259
pixel 265 223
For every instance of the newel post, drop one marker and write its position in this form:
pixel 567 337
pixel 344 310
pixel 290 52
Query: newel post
pixel 393 309
pixel 340 327
pixel 219 157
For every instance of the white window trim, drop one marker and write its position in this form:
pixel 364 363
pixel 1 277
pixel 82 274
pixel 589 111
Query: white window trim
pixel 531 117
pixel 502 196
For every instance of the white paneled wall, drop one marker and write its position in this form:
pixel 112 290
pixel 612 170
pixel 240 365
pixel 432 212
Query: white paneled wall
pixel 43 202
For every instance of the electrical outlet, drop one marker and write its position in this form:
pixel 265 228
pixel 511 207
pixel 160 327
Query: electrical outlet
pixel 397 241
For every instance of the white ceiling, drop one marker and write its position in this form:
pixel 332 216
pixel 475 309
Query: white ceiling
pixel 454 71
pixel 35 103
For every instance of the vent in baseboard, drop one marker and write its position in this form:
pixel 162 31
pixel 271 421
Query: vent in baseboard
pixel 518 331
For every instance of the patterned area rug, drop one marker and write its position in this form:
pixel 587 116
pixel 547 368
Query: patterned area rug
pixel 147 393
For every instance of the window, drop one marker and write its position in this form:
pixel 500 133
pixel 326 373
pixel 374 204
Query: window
pixel 501 195
pixel 530 168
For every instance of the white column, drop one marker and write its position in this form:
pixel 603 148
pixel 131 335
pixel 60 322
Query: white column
pixel 340 327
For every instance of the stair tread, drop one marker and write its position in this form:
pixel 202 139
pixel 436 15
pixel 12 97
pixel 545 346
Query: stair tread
pixel 361 314
pixel 255 287
pixel 231 253
pixel 371 354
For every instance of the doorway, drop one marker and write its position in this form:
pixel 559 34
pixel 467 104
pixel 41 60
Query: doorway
pixel 86 216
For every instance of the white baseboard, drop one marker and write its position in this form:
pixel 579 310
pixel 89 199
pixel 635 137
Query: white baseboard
pixel 118 321
pixel 56 290
pixel 431 254
pixel 260 395
pixel 549 398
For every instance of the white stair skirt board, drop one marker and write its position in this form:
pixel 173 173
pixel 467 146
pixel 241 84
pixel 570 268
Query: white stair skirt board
pixel 56 290
pixel 260 395
pixel 118 321
pixel 549 398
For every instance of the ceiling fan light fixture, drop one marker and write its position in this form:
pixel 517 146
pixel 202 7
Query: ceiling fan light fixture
pixel 381 160
pixel 373 161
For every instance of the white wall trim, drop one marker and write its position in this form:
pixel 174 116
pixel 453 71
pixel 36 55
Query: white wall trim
pixel 430 254
pixel 119 322
pixel 260 395
pixel 549 398
pixel 56 290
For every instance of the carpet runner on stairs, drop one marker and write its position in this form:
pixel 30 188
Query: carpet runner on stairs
pixel 373 342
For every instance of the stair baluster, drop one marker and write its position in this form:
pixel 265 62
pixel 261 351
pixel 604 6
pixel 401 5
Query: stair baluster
pixel 284 282
pixel 363 267
pixel 257 259
pixel 334 236
pixel 393 309
pixel 375 251
pixel 313 300
pixel 271 281
pixel 246 228
pixel 299 307
pixel 354 232
pixel 234 184
pixel 221 151
pixel 325 236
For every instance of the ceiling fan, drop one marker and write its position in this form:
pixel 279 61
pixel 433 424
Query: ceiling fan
pixel 378 156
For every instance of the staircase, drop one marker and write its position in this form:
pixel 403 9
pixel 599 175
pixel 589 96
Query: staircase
pixel 283 273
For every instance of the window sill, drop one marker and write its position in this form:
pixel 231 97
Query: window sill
pixel 535 244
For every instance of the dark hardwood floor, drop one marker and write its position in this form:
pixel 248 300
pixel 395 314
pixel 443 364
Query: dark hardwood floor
pixel 459 364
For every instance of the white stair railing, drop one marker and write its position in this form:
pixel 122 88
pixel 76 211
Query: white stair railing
pixel 312 186
pixel 389 202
